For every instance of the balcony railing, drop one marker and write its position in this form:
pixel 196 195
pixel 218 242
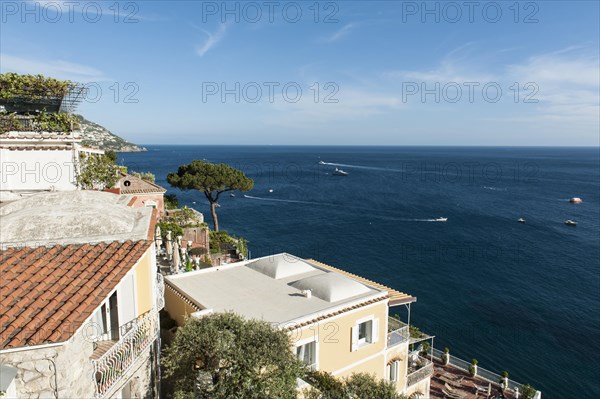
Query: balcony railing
pixel 160 292
pixel 397 332
pixel 419 370
pixel 112 367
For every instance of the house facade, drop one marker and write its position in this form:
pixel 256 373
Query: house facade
pixel 337 321
pixel 145 193
pixel 79 299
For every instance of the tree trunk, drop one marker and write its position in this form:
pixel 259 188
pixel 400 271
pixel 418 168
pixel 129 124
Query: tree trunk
pixel 213 210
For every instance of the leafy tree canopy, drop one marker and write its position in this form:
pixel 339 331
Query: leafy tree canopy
pixel 97 172
pixel 224 356
pixel 171 201
pixel 33 86
pixel 146 176
pixel 209 178
pixel 357 386
pixel 212 180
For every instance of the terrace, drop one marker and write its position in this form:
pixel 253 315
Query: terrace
pixel 453 381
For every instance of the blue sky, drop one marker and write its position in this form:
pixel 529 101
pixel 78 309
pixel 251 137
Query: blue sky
pixel 370 73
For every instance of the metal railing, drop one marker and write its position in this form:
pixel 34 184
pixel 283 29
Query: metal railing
pixel 160 292
pixel 112 366
pixel 482 373
pixel 397 332
pixel 420 374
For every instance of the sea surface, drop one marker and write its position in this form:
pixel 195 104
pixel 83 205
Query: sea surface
pixel 518 297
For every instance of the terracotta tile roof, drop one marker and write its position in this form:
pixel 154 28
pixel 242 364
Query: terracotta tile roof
pixel 129 184
pixel 46 293
pixel 332 314
pixel 396 297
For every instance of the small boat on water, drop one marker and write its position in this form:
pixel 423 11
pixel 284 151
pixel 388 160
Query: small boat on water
pixel 570 222
pixel 575 200
pixel 339 172
pixel 232 195
pixel 270 190
pixel 441 219
pixel 521 220
pixel 322 163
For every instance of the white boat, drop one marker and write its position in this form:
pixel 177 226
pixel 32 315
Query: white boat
pixel 570 222
pixel 575 200
pixel 521 220
pixel 270 190
pixel 339 172
pixel 322 163
pixel 441 219
pixel 232 195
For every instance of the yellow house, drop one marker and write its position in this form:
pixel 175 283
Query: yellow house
pixel 338 322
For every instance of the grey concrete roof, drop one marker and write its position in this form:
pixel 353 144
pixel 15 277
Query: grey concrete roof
pixel 72 217
pixel 242 289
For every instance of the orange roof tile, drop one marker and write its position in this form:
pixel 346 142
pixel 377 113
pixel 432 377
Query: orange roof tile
pixel 46 293
pixel 129 184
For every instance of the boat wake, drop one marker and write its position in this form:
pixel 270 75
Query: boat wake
pixel 494 188
pixel 345 165
pixel 284 200
pixel 386 217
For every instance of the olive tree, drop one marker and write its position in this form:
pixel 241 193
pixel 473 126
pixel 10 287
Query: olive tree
pixel 356 386
pixel 223 355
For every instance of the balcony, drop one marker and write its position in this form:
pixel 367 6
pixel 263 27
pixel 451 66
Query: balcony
pixel 419 369
pixel 112 367
pixel 397 332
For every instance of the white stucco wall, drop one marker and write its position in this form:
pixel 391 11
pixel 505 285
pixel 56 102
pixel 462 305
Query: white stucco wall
pixel 36 170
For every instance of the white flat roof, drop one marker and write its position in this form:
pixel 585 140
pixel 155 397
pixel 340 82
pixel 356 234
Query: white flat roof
pixel 248 289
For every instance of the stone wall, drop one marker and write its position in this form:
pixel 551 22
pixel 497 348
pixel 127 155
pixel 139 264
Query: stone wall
pixel 63 371
pixel 66 371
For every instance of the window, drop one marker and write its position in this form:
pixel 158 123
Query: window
pixel 393 367
pixel 307 353
pixel 364 332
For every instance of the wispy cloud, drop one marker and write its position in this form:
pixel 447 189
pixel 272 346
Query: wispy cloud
pixel 458 66
pixel 211 40
pixel 56 68
pixel 340 33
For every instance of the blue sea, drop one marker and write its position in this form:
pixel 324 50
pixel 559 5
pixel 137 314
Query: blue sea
pixel 518 297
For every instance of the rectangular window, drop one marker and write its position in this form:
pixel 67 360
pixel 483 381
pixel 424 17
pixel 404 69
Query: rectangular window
pixel 307 353
pixel 394 371
pixel 365 332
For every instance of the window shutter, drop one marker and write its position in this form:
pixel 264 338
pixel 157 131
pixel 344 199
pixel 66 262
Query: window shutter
pixel 375 331
pixel 387 372
pixel 354 338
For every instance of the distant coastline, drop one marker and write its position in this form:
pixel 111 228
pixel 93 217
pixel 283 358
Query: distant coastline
pixel 96 135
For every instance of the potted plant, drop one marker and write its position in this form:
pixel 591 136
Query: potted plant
pixel 527 392
pixel 473 367
pixel 504 381
pixel 425 350
pixel 445 356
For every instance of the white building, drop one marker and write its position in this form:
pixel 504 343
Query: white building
pixel 32 162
